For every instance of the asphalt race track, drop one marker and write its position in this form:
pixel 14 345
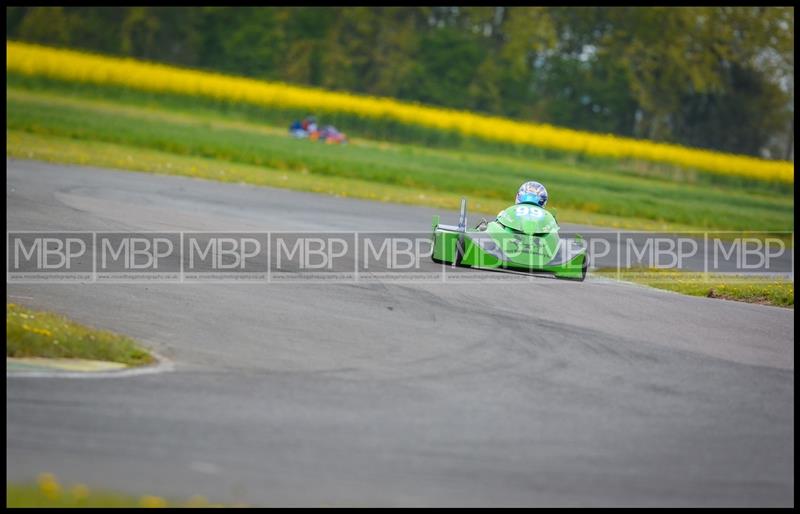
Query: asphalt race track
pixel 534 392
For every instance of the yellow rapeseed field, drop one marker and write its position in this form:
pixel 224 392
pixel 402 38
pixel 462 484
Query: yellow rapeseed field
pixel 36 60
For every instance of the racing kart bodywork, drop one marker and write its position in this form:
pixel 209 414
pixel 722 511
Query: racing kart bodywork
pixel 329 134
pixel 523 237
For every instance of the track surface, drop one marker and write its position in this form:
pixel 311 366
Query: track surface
pixel 538 392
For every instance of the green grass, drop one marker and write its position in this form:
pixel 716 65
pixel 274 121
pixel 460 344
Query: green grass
pixel 742 288
pixel 48 492
pixel 376 129
pixel 580 192
pixel 42 334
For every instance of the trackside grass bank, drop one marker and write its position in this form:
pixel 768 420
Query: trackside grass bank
pixel 32 333
pixel 377 131
pixel 45 126
pixel 742 288
pixel 49 492
pixel 75 66
pixel 91 153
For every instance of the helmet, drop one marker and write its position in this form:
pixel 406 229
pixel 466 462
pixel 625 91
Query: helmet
pixel 532 192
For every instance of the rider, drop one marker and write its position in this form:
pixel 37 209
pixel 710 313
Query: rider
pixel 532 192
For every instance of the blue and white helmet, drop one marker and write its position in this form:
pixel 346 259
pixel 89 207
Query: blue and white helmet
pixel 532 192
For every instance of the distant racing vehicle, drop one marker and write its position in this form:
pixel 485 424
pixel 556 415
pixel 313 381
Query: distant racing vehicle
pixel 307 129
pixel 523 237
pixel 330 135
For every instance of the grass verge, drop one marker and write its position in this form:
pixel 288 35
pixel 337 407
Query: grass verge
pixel 375 130
pixel 55 149
pixel 48 492
pixel 751 289
pixel 581 193
pixel 42 334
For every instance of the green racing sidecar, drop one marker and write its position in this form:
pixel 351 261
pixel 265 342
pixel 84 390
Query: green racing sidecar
pixel 523 238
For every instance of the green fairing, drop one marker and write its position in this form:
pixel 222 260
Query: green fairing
pixel 522 238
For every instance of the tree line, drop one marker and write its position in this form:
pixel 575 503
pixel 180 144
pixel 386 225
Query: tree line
pixel 710 77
